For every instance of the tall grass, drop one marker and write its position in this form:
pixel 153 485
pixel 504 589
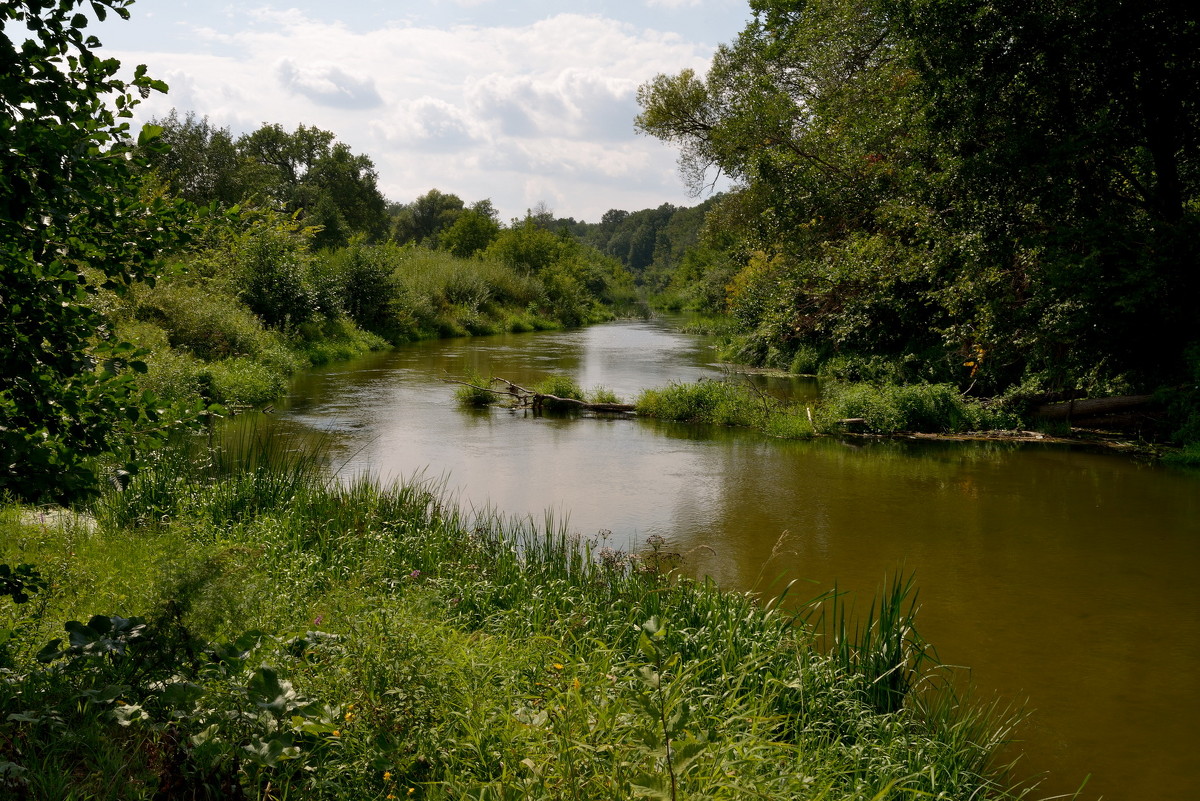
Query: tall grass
pixel 892 408
pixel 877 408
pixel 724 403
pixel 398 646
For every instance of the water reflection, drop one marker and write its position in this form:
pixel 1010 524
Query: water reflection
pixel 1062 576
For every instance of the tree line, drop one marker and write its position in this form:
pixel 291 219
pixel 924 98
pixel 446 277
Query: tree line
pixel 997 193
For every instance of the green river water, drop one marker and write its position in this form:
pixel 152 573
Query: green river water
pixel 1065 578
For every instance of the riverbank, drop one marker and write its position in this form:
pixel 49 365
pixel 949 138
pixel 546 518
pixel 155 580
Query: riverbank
pixel 234 320
pixel 264 632
pixel 915 411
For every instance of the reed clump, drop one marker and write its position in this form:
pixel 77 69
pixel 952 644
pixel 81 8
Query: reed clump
pixel 725 403
pixel 248 627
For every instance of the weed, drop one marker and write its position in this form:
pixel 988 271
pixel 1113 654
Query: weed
pixel 475 393
pixel 267 633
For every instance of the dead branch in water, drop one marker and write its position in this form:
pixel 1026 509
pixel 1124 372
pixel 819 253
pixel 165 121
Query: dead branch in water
pixel 524 398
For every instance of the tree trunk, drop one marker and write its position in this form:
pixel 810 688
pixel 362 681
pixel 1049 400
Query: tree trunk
pixel 1091 407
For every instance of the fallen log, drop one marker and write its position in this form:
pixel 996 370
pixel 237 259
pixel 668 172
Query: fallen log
pixel 1092 407
pixel 523 398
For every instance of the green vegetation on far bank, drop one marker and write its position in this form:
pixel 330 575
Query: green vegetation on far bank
pixel 247 628
pixel 231 320
pixel 999 196
pixel 861 407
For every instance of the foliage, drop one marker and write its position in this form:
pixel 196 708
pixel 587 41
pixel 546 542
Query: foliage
pixel 560 385
pixel 1188 456
pixel 18 582
pixel 602 395
pixel 280 634
pixel 365 283
pixel 893 408
pixel 422 221
pixel 73 218
pixel 725 403
pixel 997 185
pixel 275 276
pixel 471 232
pixel 306 173
pixel 476 396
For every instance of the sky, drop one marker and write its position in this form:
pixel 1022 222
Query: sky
pixel 522 103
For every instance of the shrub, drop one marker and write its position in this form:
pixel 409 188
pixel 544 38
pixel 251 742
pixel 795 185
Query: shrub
pixel 242 381
pixel 365 282
pixel 209 324
pixel 602 395
pixel 472 396
pixel 716 402
pixel 892 408
pixel 274 270
pixel 1188 456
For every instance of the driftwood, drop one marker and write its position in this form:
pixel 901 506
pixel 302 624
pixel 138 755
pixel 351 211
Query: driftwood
pixel 1092 407
pixel 523 398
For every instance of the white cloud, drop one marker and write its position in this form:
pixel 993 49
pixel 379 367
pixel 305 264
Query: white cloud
pixel 328 85
pixel 496 112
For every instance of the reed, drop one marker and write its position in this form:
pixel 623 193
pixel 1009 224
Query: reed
pixel 358 640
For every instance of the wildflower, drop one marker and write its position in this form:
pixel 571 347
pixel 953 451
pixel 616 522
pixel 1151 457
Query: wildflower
pixel 337 732
pixel 387 775
pixel 558 666
pixel 575 683
pixel 390 797
pixel 349 716
pixel 415 574
pixel 317 620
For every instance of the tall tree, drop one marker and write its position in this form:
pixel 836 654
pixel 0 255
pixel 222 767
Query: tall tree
pixel 72 218
pixel 990 177
pixel 305 172
pixel 422 220
pixel 1070 160
pixel 200 162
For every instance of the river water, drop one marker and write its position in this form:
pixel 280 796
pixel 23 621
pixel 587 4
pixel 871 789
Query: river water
pixel 1064 577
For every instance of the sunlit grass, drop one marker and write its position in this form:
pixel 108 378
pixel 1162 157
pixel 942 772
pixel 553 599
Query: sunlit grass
pixel 457 655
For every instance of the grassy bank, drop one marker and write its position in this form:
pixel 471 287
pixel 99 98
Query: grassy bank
pixel 262 633
pixel 873 408
pixel 250 304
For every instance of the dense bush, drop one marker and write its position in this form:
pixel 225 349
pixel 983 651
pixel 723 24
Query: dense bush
pixel 893 408
pixel 275 277
pixel 364 281
pixel 725 403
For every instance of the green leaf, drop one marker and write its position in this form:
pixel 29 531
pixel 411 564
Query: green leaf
pixel 130 713
pixel 50 651
pixel 149 133
pixel 268 692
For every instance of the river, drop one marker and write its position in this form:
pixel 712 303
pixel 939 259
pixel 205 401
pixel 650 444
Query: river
pixel 1066 578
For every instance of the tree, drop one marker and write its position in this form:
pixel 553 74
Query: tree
pixel 305 172
pixel 200 162
pixel 72 218
pixel 474 230
pixel 426 217
pixel 1071 164
pixel 961 177
pixel 812 111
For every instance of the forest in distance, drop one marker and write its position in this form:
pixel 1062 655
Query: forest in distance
pixel 953 212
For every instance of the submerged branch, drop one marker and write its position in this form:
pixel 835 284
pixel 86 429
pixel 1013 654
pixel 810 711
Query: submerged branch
pixel 524 398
